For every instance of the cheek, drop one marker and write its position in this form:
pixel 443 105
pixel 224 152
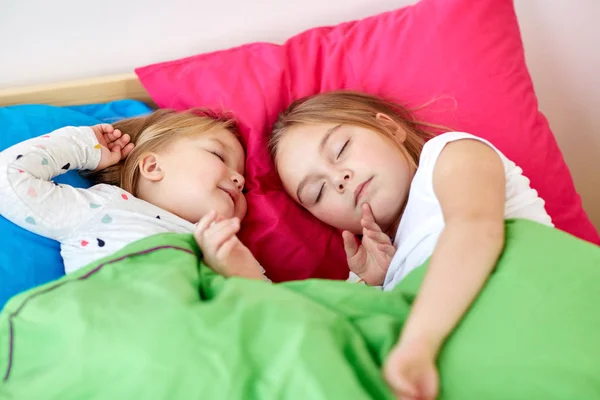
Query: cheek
pixel 210 173
pixel 242 209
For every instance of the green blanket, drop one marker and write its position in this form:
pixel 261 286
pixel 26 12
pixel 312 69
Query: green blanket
pixel 153 322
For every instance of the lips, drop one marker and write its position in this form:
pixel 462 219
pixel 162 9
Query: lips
pixel 360 190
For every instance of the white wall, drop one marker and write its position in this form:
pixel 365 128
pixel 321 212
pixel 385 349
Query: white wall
pixel 51 40
pixel 562 47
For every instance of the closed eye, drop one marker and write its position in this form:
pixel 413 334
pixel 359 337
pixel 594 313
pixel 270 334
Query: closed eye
pixel 320 193
pixel 343 148
pixel 218 155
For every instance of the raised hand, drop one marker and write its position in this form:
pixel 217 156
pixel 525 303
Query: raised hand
pixel 114 145
pixel 369 260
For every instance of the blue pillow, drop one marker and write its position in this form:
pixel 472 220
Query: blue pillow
pixel 26 259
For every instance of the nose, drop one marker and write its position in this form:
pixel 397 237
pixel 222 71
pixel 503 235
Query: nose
pixel 238 181
pixel 341 180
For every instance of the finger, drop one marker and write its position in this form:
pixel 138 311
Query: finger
pixel 105 128
pixel 389 250
pixel 123 140
pixel 204 223
pixel 227 246
pixel 429 390
pixel 350 245
pixel 225 224
pixel 401 386
pixel 382 259
pixel 225 231
pixel 113 135
pixel 378 236
pixel 370 244
pixel 126 150
pixel 405 391
pixel 368 220
pixel 370 224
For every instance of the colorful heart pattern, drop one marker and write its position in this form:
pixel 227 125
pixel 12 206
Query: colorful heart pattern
pixel 107 219
pixel 30 220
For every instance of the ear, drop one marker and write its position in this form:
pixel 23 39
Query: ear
pixel 149 167
pixel 398 132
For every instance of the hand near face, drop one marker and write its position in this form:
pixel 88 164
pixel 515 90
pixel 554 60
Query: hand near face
pixel 223 252
pixel 114 145
pixel 369 260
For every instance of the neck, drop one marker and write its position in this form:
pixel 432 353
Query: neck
pixel 391 231
pixel 151 195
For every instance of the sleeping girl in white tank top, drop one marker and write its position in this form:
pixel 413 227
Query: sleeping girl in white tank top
pixel 360 164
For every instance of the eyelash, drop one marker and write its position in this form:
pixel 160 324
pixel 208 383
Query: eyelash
pixel 343 148
pixel 218 155
pixel 320 193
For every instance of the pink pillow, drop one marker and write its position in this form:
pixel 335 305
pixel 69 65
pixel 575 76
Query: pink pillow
pixel 466 55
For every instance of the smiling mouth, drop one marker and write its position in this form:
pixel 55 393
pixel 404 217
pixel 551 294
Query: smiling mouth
pixel 360 190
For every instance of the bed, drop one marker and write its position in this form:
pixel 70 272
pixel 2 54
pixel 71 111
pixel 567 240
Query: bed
pixel 87 91
pixel 489 49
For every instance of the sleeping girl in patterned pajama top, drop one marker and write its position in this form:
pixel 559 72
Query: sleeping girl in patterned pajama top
pixel 165 172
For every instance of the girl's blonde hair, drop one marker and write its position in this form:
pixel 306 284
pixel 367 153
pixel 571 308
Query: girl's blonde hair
pixel 153 132
pixel 360 109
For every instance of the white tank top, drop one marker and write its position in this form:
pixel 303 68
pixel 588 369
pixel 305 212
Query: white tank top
pixel 423 221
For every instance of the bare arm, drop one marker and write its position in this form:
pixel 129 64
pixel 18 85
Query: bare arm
pixel 469 183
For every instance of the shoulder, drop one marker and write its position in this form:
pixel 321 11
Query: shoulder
pixel 466 172
pixel 440 141
pixel 467 156
pixel 457 144
pixel 434 147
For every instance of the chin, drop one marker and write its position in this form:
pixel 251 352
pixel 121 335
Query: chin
pixel 385 219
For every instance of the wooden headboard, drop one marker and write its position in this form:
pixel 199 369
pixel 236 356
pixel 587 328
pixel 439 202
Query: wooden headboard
pixel 85 91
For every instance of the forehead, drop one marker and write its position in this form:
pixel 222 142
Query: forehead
pixel 303 137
